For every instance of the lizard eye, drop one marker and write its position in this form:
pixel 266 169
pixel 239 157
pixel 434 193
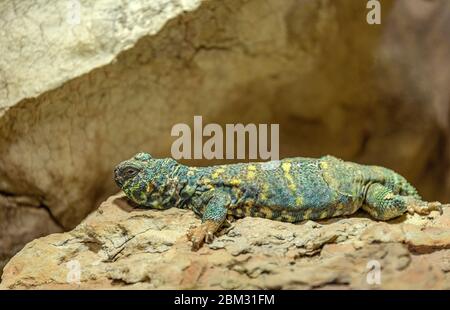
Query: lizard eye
pixel 130 172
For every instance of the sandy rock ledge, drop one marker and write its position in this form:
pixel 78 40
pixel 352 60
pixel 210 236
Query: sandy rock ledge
pixel 121 247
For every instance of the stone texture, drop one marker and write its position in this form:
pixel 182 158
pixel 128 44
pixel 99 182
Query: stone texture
pixel 75 99
pixel 45 141
pixel 121 247
pixel 26 220
pixel 51 42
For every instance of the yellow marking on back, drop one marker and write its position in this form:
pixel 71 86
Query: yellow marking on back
pixel 217 173
pixel 323 215
pixel 235 181
pixel 286 166
pixel 298 201
pixel 264 192
pixel 207 181
pixel 251 172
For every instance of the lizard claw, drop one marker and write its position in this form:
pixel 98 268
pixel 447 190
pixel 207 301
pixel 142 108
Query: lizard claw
pixel 190 233
pixel 209 237
pixel 196 236
pixel 201 234
pixel 425 208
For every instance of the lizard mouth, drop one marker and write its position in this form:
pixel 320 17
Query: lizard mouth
pixel 118 178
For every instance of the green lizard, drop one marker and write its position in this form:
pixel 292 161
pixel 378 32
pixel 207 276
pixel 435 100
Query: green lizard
pixel 291 190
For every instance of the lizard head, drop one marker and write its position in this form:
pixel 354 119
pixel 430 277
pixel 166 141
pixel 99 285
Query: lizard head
pixel 145 180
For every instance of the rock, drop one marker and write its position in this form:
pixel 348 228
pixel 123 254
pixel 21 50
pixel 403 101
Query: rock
pixel 48 131
pixel 81 92
pixel 119 247
pixel 26 223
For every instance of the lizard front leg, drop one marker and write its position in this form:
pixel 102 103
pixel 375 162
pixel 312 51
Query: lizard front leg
pixel 213 217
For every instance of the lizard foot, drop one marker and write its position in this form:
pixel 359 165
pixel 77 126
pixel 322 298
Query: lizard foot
pixel 424 208
pixel 202 234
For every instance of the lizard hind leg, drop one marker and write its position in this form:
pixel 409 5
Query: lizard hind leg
pixel 414 200
pixel 383 204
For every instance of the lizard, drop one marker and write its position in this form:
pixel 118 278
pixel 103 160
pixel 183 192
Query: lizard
pixel 288 190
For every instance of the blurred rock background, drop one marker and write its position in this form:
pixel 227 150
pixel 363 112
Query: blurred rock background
pixel 80 93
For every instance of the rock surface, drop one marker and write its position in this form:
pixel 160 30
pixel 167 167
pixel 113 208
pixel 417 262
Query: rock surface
pixel 48 132
pixel 121 247
pixel 78 96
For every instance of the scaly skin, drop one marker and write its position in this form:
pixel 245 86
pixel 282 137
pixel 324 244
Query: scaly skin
pixel 289 190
